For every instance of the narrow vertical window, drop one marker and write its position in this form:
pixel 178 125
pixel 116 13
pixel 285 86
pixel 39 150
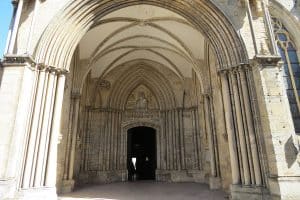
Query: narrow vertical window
pixel 291 71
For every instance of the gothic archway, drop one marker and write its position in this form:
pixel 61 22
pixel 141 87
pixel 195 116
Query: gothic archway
pixel 74 78
pixel 181 111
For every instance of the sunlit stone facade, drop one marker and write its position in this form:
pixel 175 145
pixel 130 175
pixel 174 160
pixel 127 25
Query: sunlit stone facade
pixel 215 82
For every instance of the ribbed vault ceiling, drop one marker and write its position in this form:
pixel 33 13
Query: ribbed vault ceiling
pixel 142 32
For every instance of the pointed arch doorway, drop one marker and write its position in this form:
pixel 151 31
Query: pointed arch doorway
pixel 141 153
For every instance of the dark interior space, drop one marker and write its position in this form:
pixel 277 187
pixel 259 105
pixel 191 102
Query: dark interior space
pixel 141 146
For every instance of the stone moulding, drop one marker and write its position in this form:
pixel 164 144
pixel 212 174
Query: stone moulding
pixel 17 60
pixel 234 68
pixel 14 60
pixel 265 61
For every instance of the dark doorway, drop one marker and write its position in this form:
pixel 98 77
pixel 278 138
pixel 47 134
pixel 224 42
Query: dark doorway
pixel 141 145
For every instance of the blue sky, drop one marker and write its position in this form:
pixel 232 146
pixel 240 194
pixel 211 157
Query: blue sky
pixel 5 16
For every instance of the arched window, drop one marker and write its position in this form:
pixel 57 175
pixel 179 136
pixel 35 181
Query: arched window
pixel 291 71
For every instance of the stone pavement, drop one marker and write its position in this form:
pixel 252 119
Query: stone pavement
pixel 145 190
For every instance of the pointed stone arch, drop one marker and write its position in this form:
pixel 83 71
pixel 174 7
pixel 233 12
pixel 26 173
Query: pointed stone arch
pixel 135 76
pixel 59 40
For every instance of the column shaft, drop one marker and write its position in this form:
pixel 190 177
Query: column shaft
pixel 12 39
pixel 240 129
pixel 44 132
pixel 50 179
pixel 251 130
pixel 230 130
pixel 74 136
pixel 34 121
pixel 210 136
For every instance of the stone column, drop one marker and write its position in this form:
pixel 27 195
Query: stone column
pixel 11 26
pixel 230 129
pixel 181 138
pixel 38 174
pixel 18 7
pixel 214 180
pixel 209 134
pixel 17 82
pixel 50 179
pixel 250 126
pixel 249 167
pixel 68 182
pixel 240 129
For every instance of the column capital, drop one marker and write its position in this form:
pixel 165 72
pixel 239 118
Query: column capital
pixel 234 69
pixel 59 71
pixel 51 69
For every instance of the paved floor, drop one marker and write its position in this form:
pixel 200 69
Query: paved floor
pixel 145 190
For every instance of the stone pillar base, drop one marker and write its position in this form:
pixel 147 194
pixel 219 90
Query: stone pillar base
pixel 7 188
pixel 248 192
pixel 285 188
pixel 67 186
pixel 214 183
pixel 44 193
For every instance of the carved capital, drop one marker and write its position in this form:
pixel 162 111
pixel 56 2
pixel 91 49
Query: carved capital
pixel 60 71
pixel 233 69
pixel 223 72
pixel 40 66
pixel 56 71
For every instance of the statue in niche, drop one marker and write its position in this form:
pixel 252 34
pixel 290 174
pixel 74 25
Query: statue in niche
pixel 141 102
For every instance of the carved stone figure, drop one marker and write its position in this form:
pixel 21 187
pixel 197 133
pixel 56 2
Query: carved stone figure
pixel 142 102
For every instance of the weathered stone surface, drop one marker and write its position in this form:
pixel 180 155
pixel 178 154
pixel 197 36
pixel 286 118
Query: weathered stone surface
pixel 205 75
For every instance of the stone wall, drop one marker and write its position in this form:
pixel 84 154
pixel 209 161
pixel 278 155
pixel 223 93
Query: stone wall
pixel 178 145
pixel 181 140
pixel 232 116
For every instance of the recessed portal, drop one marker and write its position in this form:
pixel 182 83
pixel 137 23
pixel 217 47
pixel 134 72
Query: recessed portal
pixel 141 153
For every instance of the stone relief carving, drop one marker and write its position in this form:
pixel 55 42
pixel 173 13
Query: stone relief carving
pixel 142 102
pixel 141 99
